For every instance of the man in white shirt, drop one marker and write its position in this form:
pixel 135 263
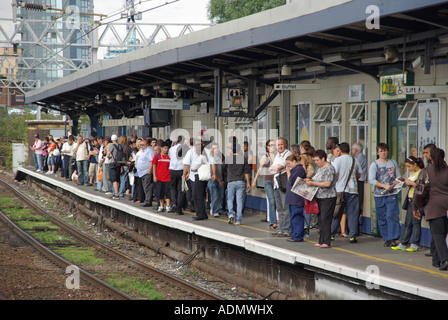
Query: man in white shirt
pixel 176 154
pixel 192 161
pixel 144 171
pixel 67 152
pixel 278 168
pixel 347 183
pixel 81 149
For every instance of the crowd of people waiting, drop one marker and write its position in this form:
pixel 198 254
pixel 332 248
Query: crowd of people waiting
pixel 190 174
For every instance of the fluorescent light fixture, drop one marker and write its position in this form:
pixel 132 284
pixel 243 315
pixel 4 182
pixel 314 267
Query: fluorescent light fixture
pixel 373 59
pixel 175 86
pixel 443 38
pixel 192 80
pixel 441 50
pixel 333 57
pixel 317 68
pixel 144 92
pixel 270 75
pixel 419 62
pixel 119 97
pixel 248 71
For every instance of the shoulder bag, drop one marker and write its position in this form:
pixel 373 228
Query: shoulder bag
pixel 204 171
pixel 421 191
pixel 340 199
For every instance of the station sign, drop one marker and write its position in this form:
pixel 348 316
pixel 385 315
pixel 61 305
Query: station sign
pixel 296 86
pixel 170 104
pixel 421 89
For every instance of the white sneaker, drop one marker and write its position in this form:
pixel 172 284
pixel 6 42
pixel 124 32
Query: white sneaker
pixel 48 172
pixel 160 209
pixel 168 209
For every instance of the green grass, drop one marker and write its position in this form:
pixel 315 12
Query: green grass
pixel 50 236
pixel 8 203
pixel 32 224
pixel 135 285
pixel 79 255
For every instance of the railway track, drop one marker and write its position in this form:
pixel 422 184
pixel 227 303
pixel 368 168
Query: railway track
pixel 115 259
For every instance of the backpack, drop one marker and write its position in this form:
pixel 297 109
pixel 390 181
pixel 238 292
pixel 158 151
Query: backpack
pixel 121 155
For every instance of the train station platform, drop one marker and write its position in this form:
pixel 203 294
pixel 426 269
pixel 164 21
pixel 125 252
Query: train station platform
pixel 367 263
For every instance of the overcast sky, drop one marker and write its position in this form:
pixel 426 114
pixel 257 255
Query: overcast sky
pixel 182 11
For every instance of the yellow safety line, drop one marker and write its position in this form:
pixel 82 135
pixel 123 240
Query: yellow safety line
pixel 445 275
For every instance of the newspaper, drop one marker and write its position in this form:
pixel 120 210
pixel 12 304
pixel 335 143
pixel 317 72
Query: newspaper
pixel 302 189
pixel 398 184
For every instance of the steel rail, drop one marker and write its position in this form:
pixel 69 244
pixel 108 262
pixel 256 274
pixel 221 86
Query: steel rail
pixel 108 289
pixel 203 294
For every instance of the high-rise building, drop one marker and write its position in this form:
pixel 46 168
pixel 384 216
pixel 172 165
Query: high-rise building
pixel 55 43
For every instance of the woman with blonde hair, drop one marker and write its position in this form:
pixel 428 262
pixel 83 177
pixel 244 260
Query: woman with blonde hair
pixel 265 162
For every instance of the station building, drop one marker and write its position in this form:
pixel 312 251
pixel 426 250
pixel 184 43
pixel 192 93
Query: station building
pixel 362 71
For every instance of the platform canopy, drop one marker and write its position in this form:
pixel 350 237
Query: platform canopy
pixel 306 39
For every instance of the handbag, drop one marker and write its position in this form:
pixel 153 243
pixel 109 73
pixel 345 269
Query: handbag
pixel 421 192
pixel 311 207
pixel 282 179
pixel 340 199
pixel 204 172
pixel 405 202
pixel 100 175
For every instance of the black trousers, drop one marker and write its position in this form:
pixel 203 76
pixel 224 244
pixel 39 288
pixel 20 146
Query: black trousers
pixel 139 194
pixel 199 198
pixel 326 210
pixel 177 196
pixel 439 230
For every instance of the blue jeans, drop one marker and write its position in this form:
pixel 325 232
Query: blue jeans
pixel 236 188
pixel 412 223
pixel 297 222
pixel 123 180
pixel 216 195
pixel 269 189
pixel 83 171
pixel 387 214
pixel 352 212
pixel 38 161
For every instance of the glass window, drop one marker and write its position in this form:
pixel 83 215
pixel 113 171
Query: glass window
pixel 359 124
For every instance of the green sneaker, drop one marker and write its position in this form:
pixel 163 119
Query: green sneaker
pixel 353 240
pixel 412 248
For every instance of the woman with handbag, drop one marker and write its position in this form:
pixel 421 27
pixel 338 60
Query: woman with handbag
pixel 203 168
pixel 295 202
pixel 436 208
pixel 325 179
pixel 263 169
pixel 414 166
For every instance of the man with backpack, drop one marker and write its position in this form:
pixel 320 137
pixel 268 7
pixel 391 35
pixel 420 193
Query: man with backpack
pixel 118 154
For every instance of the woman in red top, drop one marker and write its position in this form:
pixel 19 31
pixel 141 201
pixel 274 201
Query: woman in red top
pixel 162 177
pixel 51 158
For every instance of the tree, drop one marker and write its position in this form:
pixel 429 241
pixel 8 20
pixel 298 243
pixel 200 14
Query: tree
pixel 220 11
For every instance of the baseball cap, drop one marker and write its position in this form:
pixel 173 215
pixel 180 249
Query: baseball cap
pixel 114 137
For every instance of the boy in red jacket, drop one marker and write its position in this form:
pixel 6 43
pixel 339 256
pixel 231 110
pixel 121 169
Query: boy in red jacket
pixel 162 176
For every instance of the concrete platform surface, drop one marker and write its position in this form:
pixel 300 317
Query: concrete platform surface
pixel 366 261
